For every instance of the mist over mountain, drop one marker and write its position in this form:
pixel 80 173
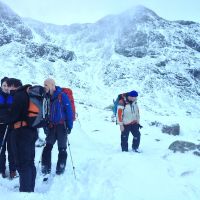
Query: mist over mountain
pixel 134 50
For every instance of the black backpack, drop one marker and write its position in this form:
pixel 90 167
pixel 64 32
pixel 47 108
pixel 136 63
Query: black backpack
pixel 39 104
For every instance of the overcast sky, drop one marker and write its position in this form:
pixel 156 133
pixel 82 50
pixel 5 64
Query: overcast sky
pixel 83 11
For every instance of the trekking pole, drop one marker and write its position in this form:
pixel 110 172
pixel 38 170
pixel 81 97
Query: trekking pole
pixel 77 119
pixel 4 138
pixel 71 158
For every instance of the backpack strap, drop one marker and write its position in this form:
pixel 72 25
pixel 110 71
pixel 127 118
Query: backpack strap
pixel 20 124
pixel 46 108
pixel 60 97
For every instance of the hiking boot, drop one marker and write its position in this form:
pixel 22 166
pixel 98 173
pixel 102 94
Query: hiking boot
pixel 60 169
pixel 136 151
pixel 3 175
pixel 61 163
pixel 13 174
pixel 45 170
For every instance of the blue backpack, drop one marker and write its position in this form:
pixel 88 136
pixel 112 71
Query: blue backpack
pixel 116 102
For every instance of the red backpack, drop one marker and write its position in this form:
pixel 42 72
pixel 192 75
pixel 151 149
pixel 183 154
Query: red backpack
pixel 69 93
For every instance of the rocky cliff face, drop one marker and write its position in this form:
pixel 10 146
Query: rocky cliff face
pixel 13 29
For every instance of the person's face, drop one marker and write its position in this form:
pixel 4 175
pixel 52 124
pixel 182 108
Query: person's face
pixel 132 98
pixel 49 87
pixel 5 87
pixel 46 86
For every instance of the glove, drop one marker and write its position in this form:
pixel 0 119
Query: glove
pixel 68 130
pixel 140 126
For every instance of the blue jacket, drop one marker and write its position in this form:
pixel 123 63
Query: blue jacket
pixel 6 101
pixel 61 109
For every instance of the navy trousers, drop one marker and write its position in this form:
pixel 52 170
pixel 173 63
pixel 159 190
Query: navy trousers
pixel 56 133
pixel 134 129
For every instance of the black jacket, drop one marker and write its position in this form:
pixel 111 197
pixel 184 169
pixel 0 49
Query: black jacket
pixel 19 108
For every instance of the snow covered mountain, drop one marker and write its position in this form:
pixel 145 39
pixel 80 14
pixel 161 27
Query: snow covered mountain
pixel 20 50
pixel 134 50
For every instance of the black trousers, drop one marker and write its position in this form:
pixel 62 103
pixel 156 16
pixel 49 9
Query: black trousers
pixel 7 144
pixel 134 129
pixel 24 139
pixel 56 133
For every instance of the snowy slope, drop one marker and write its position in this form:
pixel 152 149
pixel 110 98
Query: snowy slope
pixel 104 172
pixel 134 50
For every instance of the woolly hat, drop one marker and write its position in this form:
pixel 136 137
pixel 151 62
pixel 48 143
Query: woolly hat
pixel 3 80
pixel 133 94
